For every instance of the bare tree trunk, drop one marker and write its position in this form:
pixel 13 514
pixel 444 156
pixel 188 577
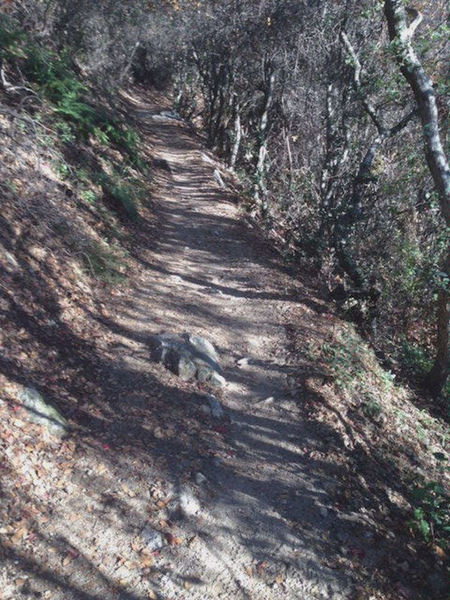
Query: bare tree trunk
pixel 289 154
pixel 401 33
pixel 352 207
pixel 436 378
pixel 129 63
pixel 237 137
pixel 260 190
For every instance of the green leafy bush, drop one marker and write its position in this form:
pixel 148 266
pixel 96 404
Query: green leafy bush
pixel 54 78
pixel 431 513
pixel 10 40
pixel 121 194
pixel 415 358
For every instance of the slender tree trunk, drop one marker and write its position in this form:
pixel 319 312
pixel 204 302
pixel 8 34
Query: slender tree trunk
pixel 237 138
pixel 436 378
pixel 260 190
pixel 289 153
pixel 401 32
pixel 129 63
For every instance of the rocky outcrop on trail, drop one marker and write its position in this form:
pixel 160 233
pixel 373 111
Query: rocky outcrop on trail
pixel 188 356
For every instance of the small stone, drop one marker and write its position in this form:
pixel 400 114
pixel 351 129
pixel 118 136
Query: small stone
pixel 217 380
pixel 267 401
pixel 186 369
pixel 39 411
pixel 323 512
pixel 208 375
pixel 189 505
pixel 200 479
pixel 176 279
pixel 205 410
pixel 215 407
pixel 152 538
pixel 242 362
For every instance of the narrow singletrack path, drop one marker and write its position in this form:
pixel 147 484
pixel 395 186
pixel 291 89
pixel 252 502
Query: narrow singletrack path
pixel 264 522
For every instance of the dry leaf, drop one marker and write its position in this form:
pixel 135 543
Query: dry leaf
pixel 146 560
pixel 172 540
pixel 136 544
pixel 279 578
pixel 19 534
pixel 440 552
pixel 261 566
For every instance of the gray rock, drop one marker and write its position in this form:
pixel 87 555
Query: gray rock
pixel 176 279
pixel 200 478
pixel 152 538
pixel 39 411
pixel 243 362
pixel 267 401
pixel 188 503
pixel 185 368
pixel 206 374
pixel 188 356
pixel 216 408
pixel 203 347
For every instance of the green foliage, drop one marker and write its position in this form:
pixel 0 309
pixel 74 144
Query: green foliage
pixel 431 513
pixel 88 196
pixel 343 360
pixel 55 79
pixel 105 263
pixel 10 40
pixel 371 408
pixel 63 170
pixel 121 194
pixel 415 358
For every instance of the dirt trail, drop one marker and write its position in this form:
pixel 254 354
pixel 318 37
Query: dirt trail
pixel 264 514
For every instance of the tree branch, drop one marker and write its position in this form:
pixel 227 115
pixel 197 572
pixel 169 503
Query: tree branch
pixel 367 104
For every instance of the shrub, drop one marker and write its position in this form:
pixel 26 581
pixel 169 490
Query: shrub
pixel 431 513
pixel 121 194
pixel 105 263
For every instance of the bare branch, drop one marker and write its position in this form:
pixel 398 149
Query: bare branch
pixel 367 104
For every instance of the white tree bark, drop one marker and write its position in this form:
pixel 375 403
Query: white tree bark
pixel 401 33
